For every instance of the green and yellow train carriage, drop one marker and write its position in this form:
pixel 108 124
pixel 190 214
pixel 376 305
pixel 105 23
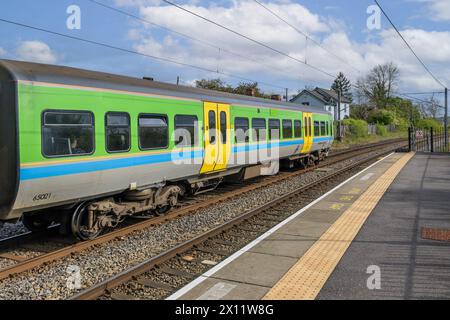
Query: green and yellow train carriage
pixel 88 149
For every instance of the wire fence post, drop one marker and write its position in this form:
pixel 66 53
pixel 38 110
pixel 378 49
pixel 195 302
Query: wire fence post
pixel 409 139
pixel 446 120
pixel 432 139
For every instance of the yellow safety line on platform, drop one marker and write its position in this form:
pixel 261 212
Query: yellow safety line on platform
pixel 307 277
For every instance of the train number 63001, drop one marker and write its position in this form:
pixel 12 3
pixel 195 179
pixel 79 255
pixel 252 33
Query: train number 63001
pixel 41 197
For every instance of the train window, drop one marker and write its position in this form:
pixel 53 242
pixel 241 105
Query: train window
pixel 186 131
pixel 67 133
pixel 259 129
pixel 297 129
pixel 308 127
pixel 153 132
pixel 327 128
pixel 316 128
pixel 117 132
pixel 212 126
pixel 322 128
pixel 274 129
pixel 287 129
pixel 241 130
pixel 223 126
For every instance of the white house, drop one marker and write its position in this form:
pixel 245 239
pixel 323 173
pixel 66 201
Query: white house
pixel 323 99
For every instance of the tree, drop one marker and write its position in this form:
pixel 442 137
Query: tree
pixel 379 85
pixel 359 111
pixel 342 84
pixel 243 88
pixel 250 89
pixel 430 108
pixel 213 84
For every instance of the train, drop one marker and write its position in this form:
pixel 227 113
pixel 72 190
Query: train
pixel 86 149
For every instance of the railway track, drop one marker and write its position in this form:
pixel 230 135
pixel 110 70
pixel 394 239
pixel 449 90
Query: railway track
pixel 20 263
pixel 161 275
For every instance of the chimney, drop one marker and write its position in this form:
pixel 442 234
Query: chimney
pixel 276 97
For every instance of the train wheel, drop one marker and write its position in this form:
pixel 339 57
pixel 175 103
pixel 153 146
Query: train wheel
pixel 163 210
pixel 80 225
pixel 36 222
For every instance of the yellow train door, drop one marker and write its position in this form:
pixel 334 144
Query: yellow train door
pixel 217 137
pixel 307 134
pixel 224 127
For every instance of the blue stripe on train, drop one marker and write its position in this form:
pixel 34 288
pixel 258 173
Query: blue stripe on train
pixel 110 164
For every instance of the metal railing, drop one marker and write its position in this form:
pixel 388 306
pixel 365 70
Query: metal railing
pixel 427 140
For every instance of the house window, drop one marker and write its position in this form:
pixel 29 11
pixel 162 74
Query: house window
pixel 305 103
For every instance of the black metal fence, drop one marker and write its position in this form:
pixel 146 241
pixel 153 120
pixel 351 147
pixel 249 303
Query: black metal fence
pixel 427 140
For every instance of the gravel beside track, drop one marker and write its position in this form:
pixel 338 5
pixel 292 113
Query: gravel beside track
pixel 11 229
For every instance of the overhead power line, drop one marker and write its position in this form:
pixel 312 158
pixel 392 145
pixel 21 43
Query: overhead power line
pixel 105 45
pixel 308 37
pixel 419 100
pixel 181 34
pixel 424 93
pixel 247 38
pixel 408 45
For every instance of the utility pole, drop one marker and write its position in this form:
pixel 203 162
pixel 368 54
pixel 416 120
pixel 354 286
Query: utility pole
pixel 446 119
pixel 339 115
pixel 287 93
pixel 178 80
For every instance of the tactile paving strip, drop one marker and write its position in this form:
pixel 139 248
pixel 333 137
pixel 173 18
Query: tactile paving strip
pixel 307 277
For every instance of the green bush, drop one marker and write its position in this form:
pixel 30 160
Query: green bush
pixel 385 117
pixel 381 130
pixel 402 125
pixel 358 128
pixel 429 123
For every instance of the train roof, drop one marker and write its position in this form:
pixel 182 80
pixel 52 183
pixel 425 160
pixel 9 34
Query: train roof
pixel 29 71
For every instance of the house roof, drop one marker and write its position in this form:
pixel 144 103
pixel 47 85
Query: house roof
pixel 332 94
pixel 324 95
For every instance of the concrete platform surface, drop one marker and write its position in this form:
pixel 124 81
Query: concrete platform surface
pixel 409 267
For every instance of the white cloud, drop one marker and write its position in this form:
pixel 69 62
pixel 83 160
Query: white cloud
pixel 2 52
pixel 252 20
pixel 439 9
pixel 36 51
pixel 134 3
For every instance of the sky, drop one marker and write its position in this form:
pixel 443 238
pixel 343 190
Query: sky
pixel 347 44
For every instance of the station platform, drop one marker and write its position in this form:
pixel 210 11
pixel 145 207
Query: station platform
pixel 382 234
